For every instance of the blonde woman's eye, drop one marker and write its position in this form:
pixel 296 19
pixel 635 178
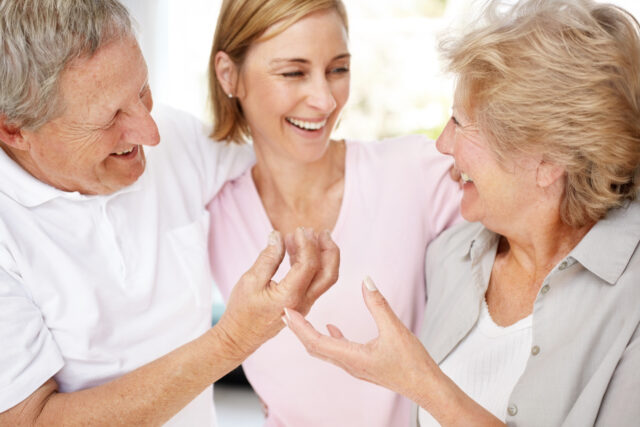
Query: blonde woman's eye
pixel 293 74
pixel 340 70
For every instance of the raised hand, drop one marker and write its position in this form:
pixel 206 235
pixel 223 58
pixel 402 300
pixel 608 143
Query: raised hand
pixel 256 303
pixel 396 359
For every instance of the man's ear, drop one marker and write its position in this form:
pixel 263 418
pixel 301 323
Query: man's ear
pixel 548 173
pixel 12 135
pixel 226 72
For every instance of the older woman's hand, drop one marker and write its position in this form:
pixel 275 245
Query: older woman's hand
pixel 255 307
pixel 396 359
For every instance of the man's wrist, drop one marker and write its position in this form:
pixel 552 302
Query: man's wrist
pixel 226 344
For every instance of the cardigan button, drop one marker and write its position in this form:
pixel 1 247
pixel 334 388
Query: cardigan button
pixel 563 265
pixel 545 289
pixel 535 350
pixel 512 409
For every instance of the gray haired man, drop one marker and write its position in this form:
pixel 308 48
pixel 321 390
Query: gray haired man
pixel 105 289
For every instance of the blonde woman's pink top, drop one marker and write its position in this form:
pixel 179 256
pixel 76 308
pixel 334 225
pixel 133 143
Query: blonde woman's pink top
pixel 398 197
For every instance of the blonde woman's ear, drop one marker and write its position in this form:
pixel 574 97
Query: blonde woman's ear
pixel 227 73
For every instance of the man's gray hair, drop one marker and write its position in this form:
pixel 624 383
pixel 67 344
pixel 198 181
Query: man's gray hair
pixel 38 39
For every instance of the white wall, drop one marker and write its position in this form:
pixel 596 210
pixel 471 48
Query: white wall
pixel 397 86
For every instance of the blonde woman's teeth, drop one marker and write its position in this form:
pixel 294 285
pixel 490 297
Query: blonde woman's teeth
pixel 465 177
pixel 307 125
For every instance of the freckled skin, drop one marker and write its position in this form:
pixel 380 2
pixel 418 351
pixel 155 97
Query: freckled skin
pixel 107 103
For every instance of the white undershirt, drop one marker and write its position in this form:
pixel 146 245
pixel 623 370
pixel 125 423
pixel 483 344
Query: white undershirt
pixel 487 363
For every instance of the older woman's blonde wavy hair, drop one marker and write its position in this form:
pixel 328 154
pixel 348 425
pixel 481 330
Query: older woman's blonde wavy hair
pixel 241 23
pixel 561 79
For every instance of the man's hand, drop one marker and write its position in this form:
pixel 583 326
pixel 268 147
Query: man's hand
pixel 255 307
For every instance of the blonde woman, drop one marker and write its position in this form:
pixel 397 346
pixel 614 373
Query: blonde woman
pixel 280 77
pixel 533 309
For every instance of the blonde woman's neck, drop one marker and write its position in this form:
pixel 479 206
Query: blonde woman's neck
pixel 296 193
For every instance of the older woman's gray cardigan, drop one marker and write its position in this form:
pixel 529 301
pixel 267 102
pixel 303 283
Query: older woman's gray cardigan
pixel 586 367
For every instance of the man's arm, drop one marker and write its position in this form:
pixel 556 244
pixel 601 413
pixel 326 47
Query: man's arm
pixel 155 392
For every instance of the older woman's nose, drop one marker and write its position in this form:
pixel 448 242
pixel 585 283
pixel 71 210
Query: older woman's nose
pixel 444 143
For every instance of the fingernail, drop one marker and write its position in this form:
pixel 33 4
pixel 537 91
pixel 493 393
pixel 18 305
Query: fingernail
pixel 368 283
pixel 274 238
pixel 300 234
pixel 284 319
pixel 327 234
pixel 286 313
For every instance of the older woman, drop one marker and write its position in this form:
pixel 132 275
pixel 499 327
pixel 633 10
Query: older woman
pixel 533 309
pixel 280 76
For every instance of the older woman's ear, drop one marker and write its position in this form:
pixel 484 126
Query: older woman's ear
pixel 548 173
pixel 11 135
pixel 227 73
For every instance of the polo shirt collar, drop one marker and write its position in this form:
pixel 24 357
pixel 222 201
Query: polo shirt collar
pixel 607 248
pixel 22 187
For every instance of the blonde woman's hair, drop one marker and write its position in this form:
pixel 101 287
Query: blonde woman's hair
pixel 241 23
pixel 561 79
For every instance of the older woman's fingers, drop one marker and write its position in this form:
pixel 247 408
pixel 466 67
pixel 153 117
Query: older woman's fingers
pixel 335 332
pixel 267 263
pixel 336 349
pixel 327 273
pixel 332 349
pixel 305 262
pixel 378 306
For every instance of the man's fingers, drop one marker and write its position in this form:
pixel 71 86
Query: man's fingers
pixel 290 244
pixel 305 261
pixel 268 260
pixel 327 273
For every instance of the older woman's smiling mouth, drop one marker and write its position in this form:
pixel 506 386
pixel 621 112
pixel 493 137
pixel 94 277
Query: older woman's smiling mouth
pixel 125 152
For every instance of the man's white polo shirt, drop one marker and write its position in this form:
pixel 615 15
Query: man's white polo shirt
pixel 92 287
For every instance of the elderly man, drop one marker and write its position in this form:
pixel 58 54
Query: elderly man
pixel 105 289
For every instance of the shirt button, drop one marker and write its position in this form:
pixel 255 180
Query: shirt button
pixel 545 289
pixel 512 410
pixel 563 265
pixel 535 350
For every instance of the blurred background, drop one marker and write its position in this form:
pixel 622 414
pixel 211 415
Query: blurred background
pixel 396 88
